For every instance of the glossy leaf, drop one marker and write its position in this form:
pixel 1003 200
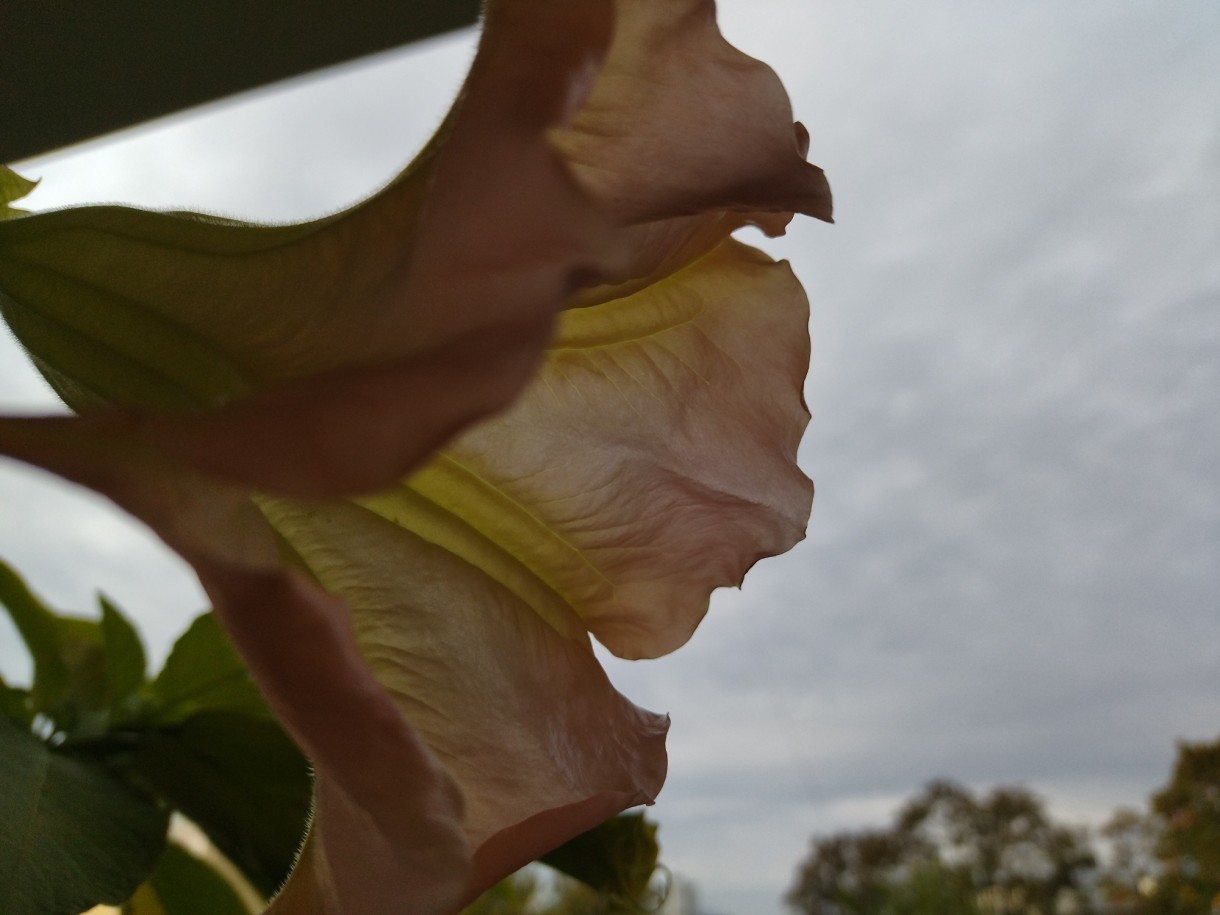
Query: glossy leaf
pixel 73 836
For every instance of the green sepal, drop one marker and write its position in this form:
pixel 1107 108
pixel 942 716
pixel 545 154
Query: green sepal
pixel 74 836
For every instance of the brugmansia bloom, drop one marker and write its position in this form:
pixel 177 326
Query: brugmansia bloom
pixel 550 296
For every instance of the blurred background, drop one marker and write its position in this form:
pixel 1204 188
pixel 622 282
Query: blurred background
pixel 1012 573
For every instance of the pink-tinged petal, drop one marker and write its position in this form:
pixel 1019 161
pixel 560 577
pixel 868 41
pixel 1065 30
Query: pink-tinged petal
pixel 368 338
pixel 387 835
pixel 521 717
pixel 652 460
pixel 679 122
pixel 455 331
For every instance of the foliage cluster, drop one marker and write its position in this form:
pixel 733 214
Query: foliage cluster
pixel 114 752
pixel 951 852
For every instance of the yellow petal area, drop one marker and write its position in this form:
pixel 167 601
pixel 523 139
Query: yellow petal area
pixel 652 460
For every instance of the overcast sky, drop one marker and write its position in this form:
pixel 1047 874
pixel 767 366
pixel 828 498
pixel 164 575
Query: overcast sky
pixel 1012 573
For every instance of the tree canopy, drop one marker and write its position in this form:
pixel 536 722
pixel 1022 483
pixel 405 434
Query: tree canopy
pixel 949 850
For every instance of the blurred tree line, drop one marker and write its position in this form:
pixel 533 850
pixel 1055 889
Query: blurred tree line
pixel 951 852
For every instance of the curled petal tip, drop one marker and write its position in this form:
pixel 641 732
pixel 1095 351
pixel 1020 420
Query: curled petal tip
pixel 817 201
pixel 802 139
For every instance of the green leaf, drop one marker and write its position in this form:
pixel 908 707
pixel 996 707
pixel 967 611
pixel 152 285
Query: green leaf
pixel 242 780
pixel 15 705
pixel 84 670
pixel 12 187
pixel 131 62
pixel 125 664
pixel 81 709
pixel 185 885
pixel 616 858
pixel 73 836
pixel 39 629
pixel 203 672
pixel 217 754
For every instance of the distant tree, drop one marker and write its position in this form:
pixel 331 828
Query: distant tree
pixel 1166 860
pixel 951 852
pixel 1189 845
pixel 1128 881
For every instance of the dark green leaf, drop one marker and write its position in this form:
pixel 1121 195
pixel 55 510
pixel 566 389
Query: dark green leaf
pixel 242 780
pixel 184 885
pixel 616 858
pixel 125 664
pixel 203 672
pixel 140 59
pixel 73 836
pixel 83 669
pixel 15 705
pixel 81 708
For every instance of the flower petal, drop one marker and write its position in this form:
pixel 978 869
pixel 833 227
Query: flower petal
pixel 680 122
pixel 478 674
pixel 651 461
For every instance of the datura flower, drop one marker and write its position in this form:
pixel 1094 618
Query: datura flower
pixel 418 451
